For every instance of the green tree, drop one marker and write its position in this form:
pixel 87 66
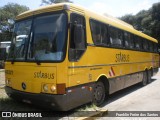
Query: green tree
pixel 11 10
pixel 7 14
pixel 156 20
pixel 147 21
pixel 46 2
pixel 128 18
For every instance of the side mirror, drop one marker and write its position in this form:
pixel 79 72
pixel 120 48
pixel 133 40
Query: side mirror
pixel 79 48
pixel 79 37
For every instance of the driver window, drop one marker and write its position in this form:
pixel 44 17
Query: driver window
pixel 76 19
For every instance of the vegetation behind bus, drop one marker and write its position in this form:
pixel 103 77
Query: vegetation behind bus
pixel 147 21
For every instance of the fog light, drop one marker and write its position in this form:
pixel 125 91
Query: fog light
pixel 90 89
pixel 45 87
pixel 53 88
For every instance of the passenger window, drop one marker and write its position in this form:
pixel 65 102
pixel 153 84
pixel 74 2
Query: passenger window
pixel 145 44
pixel 104 34
pixel 138 42
pixel 96 31
pixel 116 38
pixel 155 47
pixel 129 40
pixel 151 46
pixel 99 33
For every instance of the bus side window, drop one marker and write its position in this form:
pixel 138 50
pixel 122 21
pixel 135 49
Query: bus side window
pixel 116 37
pixel 150 46
pixel 145 45
pixel 138 44
pixel 104 34
pixel 96 32
pixel 99 33
pixel 155 48
pixel 129 40
pixel 132 45
pixel 126 38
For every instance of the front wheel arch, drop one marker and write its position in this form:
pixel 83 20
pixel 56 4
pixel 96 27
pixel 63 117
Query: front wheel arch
pixel 99 94
pixel 104 84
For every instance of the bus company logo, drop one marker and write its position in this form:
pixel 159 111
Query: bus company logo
pixel 111 72
pixel 9 72
pixel 44 75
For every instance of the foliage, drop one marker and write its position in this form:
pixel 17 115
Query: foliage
pixel 54 1
pixel 10 11
pixel 7 14
pixel 147 21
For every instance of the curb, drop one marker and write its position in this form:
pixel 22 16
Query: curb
pixel 98 113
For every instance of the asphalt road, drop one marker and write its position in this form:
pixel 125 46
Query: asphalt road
pixel 136 98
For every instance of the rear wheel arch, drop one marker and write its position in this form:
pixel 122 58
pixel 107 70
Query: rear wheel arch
pixel 148 74
pixel 151 69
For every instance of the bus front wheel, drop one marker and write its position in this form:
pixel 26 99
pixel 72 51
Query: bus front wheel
pixel 98 93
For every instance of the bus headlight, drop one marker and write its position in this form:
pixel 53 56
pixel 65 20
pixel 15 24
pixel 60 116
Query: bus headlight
pixel 53 88
pixel 45 87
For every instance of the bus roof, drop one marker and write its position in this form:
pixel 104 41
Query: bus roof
pixel 103 18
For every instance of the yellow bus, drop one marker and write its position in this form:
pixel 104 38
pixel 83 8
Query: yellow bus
pixel 70 56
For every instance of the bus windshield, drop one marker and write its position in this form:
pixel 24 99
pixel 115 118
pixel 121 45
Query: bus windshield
pixel 41 38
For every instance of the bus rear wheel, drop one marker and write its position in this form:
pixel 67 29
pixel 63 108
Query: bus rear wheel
pixel 149 75
pixel 144 81
pixel 98 93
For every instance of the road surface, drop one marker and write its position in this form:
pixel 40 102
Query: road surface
pixel 136 98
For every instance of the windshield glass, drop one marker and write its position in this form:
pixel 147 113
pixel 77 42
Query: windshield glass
pixel 18 46
pixel 47 39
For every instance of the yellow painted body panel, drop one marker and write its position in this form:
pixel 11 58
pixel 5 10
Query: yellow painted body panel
pixel 35 76
pixel 98 61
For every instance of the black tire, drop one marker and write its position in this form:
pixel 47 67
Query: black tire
pixel 98 93
pixel 144 81
pixel 151 73
pixel 149 76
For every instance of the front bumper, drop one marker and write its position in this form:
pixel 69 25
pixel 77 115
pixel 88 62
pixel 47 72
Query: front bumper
pixel 52 102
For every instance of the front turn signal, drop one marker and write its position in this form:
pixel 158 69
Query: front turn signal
pixel 61 88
